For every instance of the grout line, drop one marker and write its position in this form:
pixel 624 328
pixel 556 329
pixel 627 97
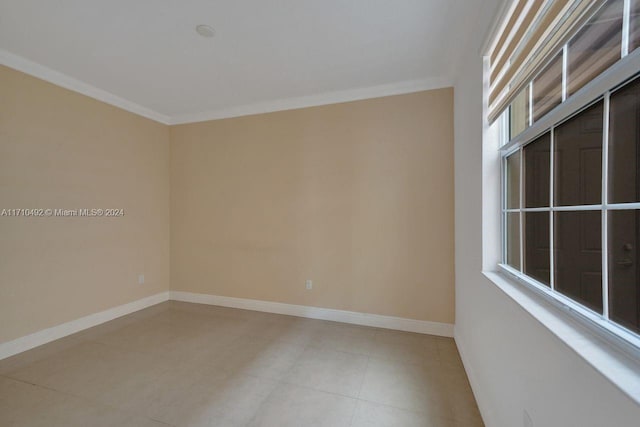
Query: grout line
pixel 84 399
pixel 366 370
pixel 287 383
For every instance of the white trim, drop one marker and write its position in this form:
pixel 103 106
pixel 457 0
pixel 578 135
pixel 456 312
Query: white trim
pixel 565 72
pixel 27 342
pixel 497 26
pixel 9 348
pixel 626 18
pixel 621 206
pixel 552 219
pixel 34 69
pixel 356 318
pixel 399 88
pixel 521 204
pixel 610 207
pixel 530 90
pixel 617 75
pixel 615 335
pixel 52 76
pixel 616 363
pixel 604 242
pixel 483 405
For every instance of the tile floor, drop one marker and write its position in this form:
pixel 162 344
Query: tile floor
pixel 183 364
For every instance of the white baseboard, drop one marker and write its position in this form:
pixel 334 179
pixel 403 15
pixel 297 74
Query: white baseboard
pixel 44 336
pixel 473 381
pixel 356 318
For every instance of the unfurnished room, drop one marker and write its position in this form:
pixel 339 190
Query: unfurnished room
pixel 305 213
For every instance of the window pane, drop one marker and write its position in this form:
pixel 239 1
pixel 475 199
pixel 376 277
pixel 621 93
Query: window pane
pixel 513 181
pixel 596 46
pixel 547 88
pixel 624 144
pixel 578 159
pixel 634 26
pixel 536 246
pixel 513 239
pixel 536 172
pixel 578 256
pixel 624 286
pixel 519 113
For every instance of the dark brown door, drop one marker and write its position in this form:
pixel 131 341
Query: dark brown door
pixel 624 225
pixel 578 181
pixel 536 195
pixel 624 298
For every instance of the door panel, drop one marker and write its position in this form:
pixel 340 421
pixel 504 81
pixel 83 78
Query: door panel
pixel 578 256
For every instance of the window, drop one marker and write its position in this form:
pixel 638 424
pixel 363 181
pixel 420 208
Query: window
pixel 547 88
pixel 596 46
pixel 571 172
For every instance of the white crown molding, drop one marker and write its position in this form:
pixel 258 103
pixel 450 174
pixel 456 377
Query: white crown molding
pixel 44 336
pixel 40 71
pixel 336 97
pixel 356 318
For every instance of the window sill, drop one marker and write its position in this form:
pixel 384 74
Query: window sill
pixel 622 369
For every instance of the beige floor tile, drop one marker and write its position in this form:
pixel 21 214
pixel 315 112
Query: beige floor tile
pixel 369 414
pixel 36 354
pixel 186 319
pixel 24 405
pixel 78 368
pixel 262 358
pixel 229 401
pixel 107 327
pixel 346 338
pixel 257 356
pixel 448 352
pixel 147 336
pixel 293 406
pixel 197 365
pixel 405 386
pixel 330 371
pixel 451 422
pixel 144 394
pixel 406 347
pixel 21 403
pixel 294 331
pixel 462 405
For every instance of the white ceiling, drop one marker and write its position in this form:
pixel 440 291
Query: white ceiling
pixel 266 55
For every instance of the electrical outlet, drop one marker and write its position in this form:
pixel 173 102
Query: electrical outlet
pixel 140 279
pixel 308 284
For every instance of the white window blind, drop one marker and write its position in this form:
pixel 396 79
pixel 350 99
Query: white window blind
pixel 533 32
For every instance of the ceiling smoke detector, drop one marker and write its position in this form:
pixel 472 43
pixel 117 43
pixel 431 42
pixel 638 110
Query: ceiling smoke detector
pixel 205 31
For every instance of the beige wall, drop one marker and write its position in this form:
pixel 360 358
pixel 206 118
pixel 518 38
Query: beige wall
pixel 59 149
pixel 356 196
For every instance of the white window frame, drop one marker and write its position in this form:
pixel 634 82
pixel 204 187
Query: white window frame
pixel 600 88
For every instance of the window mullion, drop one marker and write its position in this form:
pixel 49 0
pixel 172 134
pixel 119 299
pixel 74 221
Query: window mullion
pixel 565 70
pixel 551 185
pixel 503 197
pixel 626 19
pixel 605 175
pixel 521 209
pixel 530 103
